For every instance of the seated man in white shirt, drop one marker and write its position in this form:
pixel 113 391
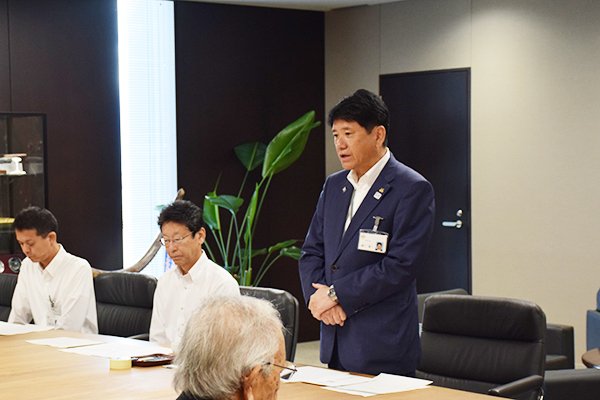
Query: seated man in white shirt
pixel 54 288
pixel 180 290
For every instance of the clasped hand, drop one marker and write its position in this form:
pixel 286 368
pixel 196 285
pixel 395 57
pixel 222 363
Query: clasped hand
pixel 323 308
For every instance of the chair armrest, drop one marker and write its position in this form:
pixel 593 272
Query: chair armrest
pixel 140 336
pixel 572 384
pixel 518 387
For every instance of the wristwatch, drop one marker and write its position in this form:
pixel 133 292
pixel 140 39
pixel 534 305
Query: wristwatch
pixel 331 293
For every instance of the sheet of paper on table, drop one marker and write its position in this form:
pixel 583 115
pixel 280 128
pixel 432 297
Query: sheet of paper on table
pixel 18 329
pixel 344 382
pixel 64 342
pixel 342 390
pixel 120 350
pixel 382 384
pixel 325 377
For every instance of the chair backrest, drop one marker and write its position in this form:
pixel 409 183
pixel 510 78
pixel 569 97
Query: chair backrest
pixel 422 296
pixel 288 308
pixel 124 303
pixel 476 343
pixel 7 288
pixel 593 325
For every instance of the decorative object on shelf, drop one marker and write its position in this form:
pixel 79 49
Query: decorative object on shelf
pixel 10 266
pixel 11 164
pixel 14 264
pixel 235 245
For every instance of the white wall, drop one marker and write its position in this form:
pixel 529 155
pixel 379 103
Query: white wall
pixel 535 138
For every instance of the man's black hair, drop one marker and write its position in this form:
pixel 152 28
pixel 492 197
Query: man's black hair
pixel 40 219
pixel 182 212
pixel 363 107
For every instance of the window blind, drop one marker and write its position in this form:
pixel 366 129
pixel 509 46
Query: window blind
pixel 148 123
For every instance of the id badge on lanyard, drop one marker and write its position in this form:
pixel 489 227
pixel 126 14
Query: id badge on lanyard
pixel 373 240
pixel 53 313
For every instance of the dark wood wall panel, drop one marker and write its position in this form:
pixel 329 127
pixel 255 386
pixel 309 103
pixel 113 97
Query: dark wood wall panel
pixel 244 73
pixel 64 63
pixel 4 58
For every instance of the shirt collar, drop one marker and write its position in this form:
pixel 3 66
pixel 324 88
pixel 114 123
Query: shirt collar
pixel 54 265
pixel 371 175
pixel 195 271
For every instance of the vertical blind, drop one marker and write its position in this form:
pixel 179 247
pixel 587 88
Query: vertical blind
pixel 148 123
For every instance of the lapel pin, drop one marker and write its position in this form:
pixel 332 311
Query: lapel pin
pixel 344 189
pixel 377 195
pixel 381 190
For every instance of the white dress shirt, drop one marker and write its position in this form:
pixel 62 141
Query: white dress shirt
pixel 177 297
pixel 60 295
pixel 362 185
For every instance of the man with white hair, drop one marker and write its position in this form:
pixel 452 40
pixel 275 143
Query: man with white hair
pixel 232 349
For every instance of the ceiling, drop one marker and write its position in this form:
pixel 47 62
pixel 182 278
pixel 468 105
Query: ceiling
pixel 313 5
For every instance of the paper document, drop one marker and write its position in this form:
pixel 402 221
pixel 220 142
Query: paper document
pixel 17 329
pixel 325 377
pixel 345 382
pixel 342 390
pixel 120 350
pixel 64 342
pixel 382 384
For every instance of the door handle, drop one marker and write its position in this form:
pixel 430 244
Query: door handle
pixel 452 224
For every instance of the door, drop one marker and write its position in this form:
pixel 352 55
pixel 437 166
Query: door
pixel 430 132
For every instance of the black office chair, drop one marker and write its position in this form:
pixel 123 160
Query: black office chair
pixel 288 308
pixel 7 288
pixel 484 345
pixel 569 384
pixel 559 341
pixel 560 347
pixel 124 303
pixel 421 297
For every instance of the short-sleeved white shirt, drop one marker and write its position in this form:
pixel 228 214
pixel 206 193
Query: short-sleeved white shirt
pixel 61 295
pixel 178 296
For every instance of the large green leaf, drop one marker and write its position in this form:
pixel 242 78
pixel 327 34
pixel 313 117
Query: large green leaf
pixel 251 154
pixel 293 252
pixel 225 201
pixel 250 214
pixel 287 145
pixel 257 252
pixel 281 245
pixel 210 212
pixel 232 269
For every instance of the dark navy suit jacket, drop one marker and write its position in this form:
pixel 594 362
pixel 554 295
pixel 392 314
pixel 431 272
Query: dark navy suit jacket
pixel 376 291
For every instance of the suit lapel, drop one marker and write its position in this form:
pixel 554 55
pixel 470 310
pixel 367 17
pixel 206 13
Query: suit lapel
pixel 342 196
pixel 382 186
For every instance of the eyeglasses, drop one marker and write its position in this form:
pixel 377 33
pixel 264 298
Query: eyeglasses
pixel 166 242
pixel 288 369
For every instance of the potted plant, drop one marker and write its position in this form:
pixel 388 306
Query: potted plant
pixel 235 242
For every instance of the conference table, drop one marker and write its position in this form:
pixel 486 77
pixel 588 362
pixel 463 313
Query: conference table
pixel 32 371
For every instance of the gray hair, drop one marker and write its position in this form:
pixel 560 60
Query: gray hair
pixel 227 337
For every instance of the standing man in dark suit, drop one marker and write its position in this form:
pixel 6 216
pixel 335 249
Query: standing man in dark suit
pixel 364 294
